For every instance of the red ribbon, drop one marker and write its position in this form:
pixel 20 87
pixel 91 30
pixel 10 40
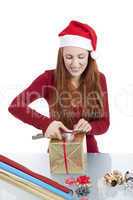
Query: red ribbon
pixel 65 155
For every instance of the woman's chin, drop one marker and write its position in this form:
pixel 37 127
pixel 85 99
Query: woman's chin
pixel 75 74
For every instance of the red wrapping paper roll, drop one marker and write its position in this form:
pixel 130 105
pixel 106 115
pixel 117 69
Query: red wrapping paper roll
pixel 35 175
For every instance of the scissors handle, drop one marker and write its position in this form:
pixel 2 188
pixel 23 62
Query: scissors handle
pixel 38 136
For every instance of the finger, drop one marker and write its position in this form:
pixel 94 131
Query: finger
pixel 81 120
pixel 76 127
pixel 52 135
pixel 82 125
pixel 86 128
pixel 58 135
pixel 47 135
pixel 89 129
pixel 63 127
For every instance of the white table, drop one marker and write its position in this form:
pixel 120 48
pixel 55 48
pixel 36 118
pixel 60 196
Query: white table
pixel 97 166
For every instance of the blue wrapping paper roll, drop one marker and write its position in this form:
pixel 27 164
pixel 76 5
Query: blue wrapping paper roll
pixel 36 181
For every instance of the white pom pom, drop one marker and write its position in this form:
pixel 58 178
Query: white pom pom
pixel 93 55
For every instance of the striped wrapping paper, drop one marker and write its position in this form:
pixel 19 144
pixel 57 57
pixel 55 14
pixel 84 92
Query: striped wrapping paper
pixel 38 176
pixel 36 181
pixel 28 186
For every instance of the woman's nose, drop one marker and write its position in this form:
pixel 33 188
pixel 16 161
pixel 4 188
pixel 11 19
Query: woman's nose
pixel 75 62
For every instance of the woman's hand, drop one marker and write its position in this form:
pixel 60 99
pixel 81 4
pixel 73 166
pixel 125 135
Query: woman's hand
pixel 53 130
pixel 83 126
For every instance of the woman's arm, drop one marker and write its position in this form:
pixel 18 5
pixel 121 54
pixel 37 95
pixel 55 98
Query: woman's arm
pixel 20 105
pixel 101 126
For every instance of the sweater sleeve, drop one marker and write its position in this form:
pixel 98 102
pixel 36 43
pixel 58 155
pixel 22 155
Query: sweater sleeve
pixel 20 108
pixel 101 125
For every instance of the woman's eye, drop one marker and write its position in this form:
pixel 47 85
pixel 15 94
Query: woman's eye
pixel 68 57
pixel 81 57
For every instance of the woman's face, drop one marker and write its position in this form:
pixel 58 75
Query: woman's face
pixel 75 59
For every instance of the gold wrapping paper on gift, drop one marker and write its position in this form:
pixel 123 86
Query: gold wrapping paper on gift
pixel 68 157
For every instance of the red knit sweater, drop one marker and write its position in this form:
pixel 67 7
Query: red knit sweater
pixel 39 88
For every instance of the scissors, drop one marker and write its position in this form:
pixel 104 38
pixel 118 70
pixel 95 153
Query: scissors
pixel 41 135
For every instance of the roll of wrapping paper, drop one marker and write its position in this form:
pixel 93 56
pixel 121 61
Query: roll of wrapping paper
pixel 38 176
pixel 28 186
pixel 27 177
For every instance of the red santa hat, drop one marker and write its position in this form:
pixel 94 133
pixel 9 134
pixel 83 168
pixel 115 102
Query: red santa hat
pixel 79 35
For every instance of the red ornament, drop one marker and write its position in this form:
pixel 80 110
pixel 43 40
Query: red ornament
pixel 83 180
pixel 70 181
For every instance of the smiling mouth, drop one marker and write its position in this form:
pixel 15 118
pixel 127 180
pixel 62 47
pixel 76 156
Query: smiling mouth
pixel 75 70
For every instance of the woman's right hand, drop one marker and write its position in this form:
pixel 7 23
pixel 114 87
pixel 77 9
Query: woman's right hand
pixel 53 130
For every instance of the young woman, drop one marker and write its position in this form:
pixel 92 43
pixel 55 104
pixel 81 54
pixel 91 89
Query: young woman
pixel 76 91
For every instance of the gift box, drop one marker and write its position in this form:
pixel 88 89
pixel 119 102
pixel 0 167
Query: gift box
pixel 68 157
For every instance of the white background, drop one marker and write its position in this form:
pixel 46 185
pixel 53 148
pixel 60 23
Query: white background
pixel 28 46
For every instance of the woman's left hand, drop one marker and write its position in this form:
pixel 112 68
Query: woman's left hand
pixel 83 126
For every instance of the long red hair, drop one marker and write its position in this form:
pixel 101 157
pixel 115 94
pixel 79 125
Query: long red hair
pixel 87 96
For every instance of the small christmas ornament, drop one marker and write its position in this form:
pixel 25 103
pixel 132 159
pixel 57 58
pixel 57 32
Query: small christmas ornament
pixel 114 178
pixel 83 180
pixel 70 181
pixel 129 179
pixel 109 179
pixel 84 184
pixel 119 176
pixel 82 191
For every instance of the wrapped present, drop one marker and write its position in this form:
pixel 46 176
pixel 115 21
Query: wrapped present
pixel 68 156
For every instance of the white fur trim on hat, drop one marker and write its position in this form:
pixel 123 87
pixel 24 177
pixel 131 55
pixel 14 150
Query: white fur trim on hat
pixel 75 40
pixel 93 55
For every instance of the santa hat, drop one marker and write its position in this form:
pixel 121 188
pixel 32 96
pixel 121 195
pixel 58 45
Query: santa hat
pixel 79 35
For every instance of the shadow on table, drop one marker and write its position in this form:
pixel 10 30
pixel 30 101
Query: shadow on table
pixel 97 165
